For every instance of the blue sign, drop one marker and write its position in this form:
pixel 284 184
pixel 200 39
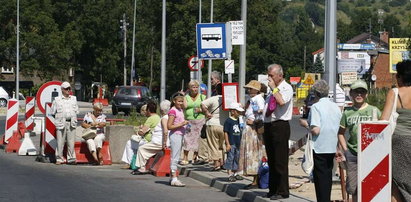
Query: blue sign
pixel 364 46
pixel 211 41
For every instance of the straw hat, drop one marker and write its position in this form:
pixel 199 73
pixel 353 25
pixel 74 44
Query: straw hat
pixel 254 84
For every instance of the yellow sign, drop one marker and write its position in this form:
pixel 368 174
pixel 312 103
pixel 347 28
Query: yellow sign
pixel 398 52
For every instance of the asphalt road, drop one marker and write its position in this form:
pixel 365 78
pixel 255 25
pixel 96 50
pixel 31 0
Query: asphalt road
pixel 23 179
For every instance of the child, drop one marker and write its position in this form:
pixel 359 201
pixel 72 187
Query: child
pixel 176 124
pixel 232 134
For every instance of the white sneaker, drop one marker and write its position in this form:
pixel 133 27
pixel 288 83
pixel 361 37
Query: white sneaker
pixel 177 183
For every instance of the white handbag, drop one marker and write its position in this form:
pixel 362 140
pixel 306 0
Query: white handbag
pixel 308 160
pixel 89 133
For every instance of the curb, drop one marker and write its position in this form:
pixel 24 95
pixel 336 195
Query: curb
pixel 235 189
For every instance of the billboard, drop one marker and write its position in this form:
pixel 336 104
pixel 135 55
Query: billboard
pixel 351 65
pixel 357 56
pixel 398 52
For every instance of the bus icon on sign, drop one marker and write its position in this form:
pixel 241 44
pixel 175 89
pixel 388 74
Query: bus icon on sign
pixel 208 37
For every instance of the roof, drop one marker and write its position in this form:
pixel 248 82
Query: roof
pixel 362 38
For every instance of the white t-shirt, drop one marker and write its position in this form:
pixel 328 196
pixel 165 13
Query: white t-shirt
pixel 284 112
pixel 258 102
pixel 157 134
pixel 100 119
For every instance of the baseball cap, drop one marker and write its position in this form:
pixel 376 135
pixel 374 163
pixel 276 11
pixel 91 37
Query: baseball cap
pixel 359 84
pixel 236 106
pixel 65 85
pixel 254 84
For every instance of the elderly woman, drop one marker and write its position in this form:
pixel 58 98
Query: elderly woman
pixel 401 139
pixel 158 142
pixel 195 117
pixel 323 123
pixel 98 120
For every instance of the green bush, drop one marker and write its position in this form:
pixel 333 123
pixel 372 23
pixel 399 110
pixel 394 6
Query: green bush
pixel 133 119
pixel 376 97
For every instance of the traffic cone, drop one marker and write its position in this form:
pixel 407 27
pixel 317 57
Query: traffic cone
pixel 27 147
pixel 14 143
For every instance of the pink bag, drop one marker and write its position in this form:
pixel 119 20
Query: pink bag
pixel 272 104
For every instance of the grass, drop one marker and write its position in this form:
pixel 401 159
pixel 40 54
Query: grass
pixel 133 119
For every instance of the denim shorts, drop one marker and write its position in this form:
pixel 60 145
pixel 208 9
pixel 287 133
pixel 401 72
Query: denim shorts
pixel 233 157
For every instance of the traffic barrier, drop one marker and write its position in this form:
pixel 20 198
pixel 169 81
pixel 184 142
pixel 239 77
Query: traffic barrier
pixel 296 111
pixel 83 155
pixel 14 143
pixel 160 166
pixel 21 129
pixel 27 147
pixel 49 139
pixel 374 161
pixel 30 107
pixel 11 120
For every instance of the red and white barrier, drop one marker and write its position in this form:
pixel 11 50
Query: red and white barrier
pixel 27 147
pixel 49 140
pixel 374 162
pixel 29 121
pixel 11 120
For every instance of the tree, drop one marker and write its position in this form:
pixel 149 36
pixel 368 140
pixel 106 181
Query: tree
pixel 318 66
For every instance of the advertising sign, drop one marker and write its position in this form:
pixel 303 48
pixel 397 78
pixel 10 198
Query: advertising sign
pixel 360 55
pixel 347 46
pixel 230 94
pixel 351 65
pixel 374 162
pixel 211 41
pixel 348 78
pixel 398 52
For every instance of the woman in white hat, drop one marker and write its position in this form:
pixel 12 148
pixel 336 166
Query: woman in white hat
pixel 251 149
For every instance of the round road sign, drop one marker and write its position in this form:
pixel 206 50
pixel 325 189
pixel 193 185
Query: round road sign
pixel 46 94
pixel 193 63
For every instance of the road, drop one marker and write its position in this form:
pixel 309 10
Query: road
pixel 23 179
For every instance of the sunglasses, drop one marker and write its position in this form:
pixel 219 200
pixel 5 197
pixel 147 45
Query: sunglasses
pixel 67 88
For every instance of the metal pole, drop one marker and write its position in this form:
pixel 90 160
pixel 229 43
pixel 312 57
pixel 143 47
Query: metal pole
pixel 210 62
pixel 331 44
pixel 163 55
pixel 18 51
pixel 132 69
pixel 125 49
pixel 243 52
pixel 200 79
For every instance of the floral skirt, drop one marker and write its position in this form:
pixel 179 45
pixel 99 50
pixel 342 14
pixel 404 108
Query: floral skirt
pixel 191 137
pixel 251 151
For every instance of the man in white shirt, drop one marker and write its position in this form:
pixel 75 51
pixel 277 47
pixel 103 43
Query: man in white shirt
pixel 277 131
pixel 65 110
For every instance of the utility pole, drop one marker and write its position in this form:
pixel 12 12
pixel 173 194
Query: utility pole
pixel 163 54
pixel 18 52
pixel 124 28
pixel 331 44
pixel 132 68
pixel 210 62
pixel 243 51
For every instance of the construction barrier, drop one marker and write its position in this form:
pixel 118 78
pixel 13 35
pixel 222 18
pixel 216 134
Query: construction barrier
pixel 374 162
pixel 83 155
pixel 27 147
pixel 11 120
pixel 160 164
pixel 49 135
pixel 30 107
pixel 14 143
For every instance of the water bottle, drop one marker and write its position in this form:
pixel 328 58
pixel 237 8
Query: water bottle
pixel 254 106
pixel 188 127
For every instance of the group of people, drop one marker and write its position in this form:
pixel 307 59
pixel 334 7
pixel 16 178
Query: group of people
pixel 328 124
pixel 248 133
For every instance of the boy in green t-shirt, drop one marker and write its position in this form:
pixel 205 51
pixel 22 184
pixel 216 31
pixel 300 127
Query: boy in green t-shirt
pixel 359 112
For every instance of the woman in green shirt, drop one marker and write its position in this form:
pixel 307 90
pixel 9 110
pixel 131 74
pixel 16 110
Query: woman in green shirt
pixel 194 115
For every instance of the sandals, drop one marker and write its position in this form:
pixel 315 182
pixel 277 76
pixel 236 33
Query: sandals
pixel 231 178
pixel 183 162
pixel 137 172
pixel 215 169
pixel 177 183
pixel 239 177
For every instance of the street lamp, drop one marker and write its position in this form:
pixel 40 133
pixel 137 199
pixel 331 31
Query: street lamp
pixel 132 69
pixel 163 55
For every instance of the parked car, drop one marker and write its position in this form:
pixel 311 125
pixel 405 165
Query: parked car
pixel 4 97
pixel 127 97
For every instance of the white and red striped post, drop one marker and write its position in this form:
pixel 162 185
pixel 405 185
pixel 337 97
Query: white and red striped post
pixel 374 162
pixel 12 118
pixel 29 122
pixel 49 140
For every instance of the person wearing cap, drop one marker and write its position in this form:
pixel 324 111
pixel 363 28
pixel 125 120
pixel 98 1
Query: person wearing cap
pixel 232 136
pixel 65 110
pixel 323 120
pixel 277 131
pixel 351 117
pixel 252 148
